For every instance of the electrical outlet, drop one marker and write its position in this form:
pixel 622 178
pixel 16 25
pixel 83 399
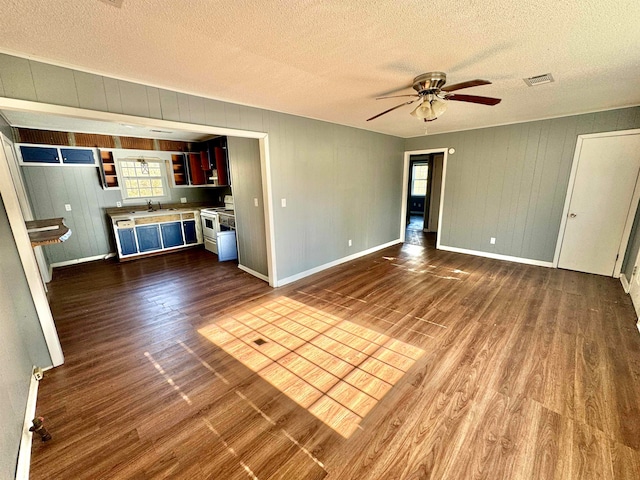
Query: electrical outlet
pixel 67 207
pixel 283 202
pixel 350 242
pixel 492 241
pixel 118 204
pixel 255 202
pixel 183 199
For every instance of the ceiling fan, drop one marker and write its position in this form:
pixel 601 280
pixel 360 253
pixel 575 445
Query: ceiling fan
pixel 433 95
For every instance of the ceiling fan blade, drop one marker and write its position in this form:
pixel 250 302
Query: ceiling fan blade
pixel 398 96
pixel 468 84
pixel 392 109
pixel 474 99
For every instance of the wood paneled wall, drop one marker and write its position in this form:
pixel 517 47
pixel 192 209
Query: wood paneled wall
pixel 52 137
pixel 47 137
pixel 510 182
pixel 22 346
pixel 244 159
pixel 340 182
pixel 93 140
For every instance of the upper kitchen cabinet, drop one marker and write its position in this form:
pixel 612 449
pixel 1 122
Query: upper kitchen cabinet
pixel 206 165
pixel 217 149
pixel 108 170
pixel 56 156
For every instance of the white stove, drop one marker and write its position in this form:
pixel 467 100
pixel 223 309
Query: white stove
pixel 219 232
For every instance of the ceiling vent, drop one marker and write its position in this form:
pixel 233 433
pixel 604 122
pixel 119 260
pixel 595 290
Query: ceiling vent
pixel 538 80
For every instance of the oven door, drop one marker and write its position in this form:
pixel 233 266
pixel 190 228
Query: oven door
pixel 209 226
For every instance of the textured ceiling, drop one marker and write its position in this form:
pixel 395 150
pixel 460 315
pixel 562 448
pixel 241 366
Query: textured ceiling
pixel 330 59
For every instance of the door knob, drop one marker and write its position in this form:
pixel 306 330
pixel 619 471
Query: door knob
pixel 572 215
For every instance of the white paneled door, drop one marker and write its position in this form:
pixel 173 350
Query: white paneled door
pixel 601 204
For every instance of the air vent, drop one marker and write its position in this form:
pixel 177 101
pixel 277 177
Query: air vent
pixel 159 131
pixel 538 80
pixel 114 3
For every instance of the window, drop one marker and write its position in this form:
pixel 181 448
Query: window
pixel 142 178
pixel 419 175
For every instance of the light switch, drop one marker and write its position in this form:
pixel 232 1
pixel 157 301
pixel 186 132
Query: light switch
pixel 67 207
pixel 255 202
pixel 492 240
pixel 283 202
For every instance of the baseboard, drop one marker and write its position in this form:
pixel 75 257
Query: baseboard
pixel 624 282
pixel 254 273
pixel 24 454
pixel 306 273
pixel 82 260
pixel 497 256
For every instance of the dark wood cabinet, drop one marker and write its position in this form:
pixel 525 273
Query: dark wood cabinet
pixel 179 169
pixel 196 173
pixel 108 169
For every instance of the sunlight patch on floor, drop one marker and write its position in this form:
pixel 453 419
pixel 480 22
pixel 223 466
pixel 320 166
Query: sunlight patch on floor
pixel 336 369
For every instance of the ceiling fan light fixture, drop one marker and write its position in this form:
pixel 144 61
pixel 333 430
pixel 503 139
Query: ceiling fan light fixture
pixel 430 108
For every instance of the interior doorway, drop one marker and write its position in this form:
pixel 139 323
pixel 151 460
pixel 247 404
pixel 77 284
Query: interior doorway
pixel 423 187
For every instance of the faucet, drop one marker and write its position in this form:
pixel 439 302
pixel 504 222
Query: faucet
pixel 149 206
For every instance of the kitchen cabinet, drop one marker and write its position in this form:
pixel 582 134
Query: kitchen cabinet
pixel 171 234
pixel 148 238
pixel 77 156
pixel 196 173
pixel 53 155
pixel 179 170
pixel 127 239
pixel 190 233
pixel 221 165
pixel 39 154
pixel 141 233
pixel 108 170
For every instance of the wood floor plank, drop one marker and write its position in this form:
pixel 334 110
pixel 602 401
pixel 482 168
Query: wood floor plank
pixel 410 363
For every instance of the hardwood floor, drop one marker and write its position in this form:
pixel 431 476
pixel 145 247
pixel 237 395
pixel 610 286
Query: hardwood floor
pixel 409 363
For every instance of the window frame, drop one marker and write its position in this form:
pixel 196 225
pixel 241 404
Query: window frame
pixel 425 179
pixel 122 178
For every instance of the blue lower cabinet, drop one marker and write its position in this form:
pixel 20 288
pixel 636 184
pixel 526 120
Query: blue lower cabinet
pixel 148 238
pixel 127 241
pixel 190 235
pixel 39 154
pixel 172 234
pixel 77 156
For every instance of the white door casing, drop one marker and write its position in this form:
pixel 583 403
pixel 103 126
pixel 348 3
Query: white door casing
pixel 405 189
pixel 29 264
pixel 601 202
pixel 25 205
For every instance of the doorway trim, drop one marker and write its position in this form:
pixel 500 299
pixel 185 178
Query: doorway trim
pixel 570 187
pixel 22 238
pixel 262 137
pixel 29 264
pixel 405 189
